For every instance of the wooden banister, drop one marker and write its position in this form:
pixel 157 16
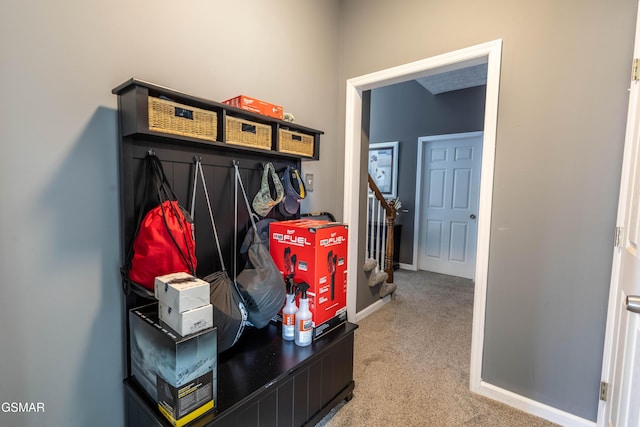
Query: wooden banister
pixel 387 206
pixel 390 217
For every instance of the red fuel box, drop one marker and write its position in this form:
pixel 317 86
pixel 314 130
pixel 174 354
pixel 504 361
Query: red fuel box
pixel 315 252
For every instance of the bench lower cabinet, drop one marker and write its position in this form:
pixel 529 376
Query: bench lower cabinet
pixel 265 381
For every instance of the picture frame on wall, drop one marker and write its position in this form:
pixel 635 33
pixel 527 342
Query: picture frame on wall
pixel 383 167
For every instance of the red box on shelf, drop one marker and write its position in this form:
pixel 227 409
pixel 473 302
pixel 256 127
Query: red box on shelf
pixel 315 252
pixel 256 106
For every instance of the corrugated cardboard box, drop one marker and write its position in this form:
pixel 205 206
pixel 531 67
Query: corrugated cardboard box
pixel 256 106
pixel 320 252
pixel 179 373
pixel 181 291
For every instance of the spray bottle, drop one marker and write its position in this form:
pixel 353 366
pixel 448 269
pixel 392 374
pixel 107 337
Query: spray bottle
pixel 289 312
pixel 304 323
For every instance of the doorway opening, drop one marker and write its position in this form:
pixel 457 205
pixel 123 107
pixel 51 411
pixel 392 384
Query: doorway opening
pixel 487 53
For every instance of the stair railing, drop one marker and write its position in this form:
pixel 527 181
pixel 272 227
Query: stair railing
pixel 381 216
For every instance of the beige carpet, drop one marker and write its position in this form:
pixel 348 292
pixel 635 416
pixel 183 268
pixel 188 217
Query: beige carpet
pixel 411 364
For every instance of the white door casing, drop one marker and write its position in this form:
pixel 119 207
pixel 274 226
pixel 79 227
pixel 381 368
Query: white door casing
pixel 621 361
pixel 447 196
pixel 489 53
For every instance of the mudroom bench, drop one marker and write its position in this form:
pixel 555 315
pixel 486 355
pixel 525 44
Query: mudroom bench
pixel 262 380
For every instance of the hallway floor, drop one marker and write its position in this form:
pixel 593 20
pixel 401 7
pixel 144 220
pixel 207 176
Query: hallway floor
pixel 411 364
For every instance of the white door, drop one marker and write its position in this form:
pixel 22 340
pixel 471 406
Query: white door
pixel 450 187
pixel 623 374
pixel 625 383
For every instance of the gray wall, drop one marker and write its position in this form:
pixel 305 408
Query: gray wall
pixel 60 298
pixel 561 125
pixel 560 134
pixel 406 111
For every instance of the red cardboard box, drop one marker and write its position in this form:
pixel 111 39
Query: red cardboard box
pixel 256 106
pixel 315 252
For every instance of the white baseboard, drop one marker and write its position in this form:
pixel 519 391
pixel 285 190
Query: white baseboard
pixel 409 267
pixel 533 407
pixel 372 308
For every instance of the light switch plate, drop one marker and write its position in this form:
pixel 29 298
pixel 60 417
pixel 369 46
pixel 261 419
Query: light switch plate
pixel 308 182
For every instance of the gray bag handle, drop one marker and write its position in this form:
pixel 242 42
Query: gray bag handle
pixel 246 200
pixel 253 223
pixel 198 170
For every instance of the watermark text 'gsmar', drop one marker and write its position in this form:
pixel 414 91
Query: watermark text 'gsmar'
pixel 22 407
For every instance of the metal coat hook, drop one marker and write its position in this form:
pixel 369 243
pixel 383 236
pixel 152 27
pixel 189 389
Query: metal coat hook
pixel 282 170
pixel 151 152
pixel 197 159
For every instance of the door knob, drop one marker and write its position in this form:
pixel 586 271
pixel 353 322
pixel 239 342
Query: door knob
pixel 633 303
pixel 472 216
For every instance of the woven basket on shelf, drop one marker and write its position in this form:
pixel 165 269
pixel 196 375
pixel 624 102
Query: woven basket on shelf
pixel 295 143
pixel 178 119
pixel 248 133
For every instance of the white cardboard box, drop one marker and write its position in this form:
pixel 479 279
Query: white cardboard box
pixel 188 322
pixel 181 291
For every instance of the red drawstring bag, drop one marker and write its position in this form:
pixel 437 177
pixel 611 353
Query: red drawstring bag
pixel 164 241
pixel 164 244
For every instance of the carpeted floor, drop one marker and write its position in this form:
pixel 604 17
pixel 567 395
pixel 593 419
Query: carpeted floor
pixel 411 364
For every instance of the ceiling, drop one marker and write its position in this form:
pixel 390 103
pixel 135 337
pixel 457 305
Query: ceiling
pixel 475 75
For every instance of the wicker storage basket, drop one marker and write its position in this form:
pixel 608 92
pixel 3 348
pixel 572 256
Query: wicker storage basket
pixel 296 143
pixel 248 133
pixel 178 119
